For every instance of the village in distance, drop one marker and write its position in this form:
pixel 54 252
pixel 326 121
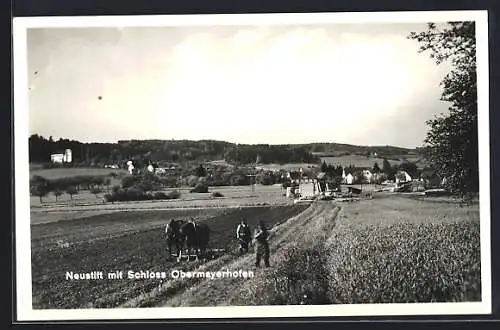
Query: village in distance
pixel 310 175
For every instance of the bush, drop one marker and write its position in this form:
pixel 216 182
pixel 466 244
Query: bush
pixel 71 190
pixel 57 193
pixel 110 198
pixel 145 185
pixel 200 188
pixel 239 180
pixel 266 179
pixel 39 189
pixel 130 181
pixel 160 195
pixel 175 194
pixel 192 180
pixel 96 191
pixel 135 194
pixel 168 181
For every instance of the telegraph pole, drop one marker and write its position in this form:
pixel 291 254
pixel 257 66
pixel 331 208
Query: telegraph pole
pixel 300 181
pixel 254 176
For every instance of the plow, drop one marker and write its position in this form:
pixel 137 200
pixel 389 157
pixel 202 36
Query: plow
pixel 210 254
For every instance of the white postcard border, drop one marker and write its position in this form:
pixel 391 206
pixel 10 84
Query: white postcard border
pixel 21 133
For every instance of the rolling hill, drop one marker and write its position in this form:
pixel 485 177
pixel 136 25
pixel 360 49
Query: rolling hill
pixel 186 151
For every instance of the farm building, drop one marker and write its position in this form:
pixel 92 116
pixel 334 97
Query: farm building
pixel 160 171
pixel 402 177
pixel 322 185
pixel 300 176
pixel 294 175
pixel 368 175
pixel 57 158
pixel 355 191
pixel 349 179
pixel 130 167
pixel 114 166
pixel 377 177
pixel 307 189
pixel 431 178
pixel 60 158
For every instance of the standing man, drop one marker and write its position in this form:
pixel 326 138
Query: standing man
pixel 261 245
pixel 243 235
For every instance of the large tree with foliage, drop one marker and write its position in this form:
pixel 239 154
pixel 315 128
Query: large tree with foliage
pixel 39 187
pixel 451 145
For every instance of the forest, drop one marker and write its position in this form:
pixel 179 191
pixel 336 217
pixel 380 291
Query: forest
pixel 181 151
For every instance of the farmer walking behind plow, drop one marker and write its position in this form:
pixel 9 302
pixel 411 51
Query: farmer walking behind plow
pixel 261 245
pixel 244 235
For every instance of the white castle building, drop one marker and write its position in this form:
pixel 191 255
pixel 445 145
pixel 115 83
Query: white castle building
pixel 60 158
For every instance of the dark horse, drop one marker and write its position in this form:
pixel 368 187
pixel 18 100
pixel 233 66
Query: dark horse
pixel 196 237
pixel 174 236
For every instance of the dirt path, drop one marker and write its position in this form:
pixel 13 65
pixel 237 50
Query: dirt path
pixel 219 292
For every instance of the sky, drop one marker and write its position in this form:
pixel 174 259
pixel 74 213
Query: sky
pixel 363 84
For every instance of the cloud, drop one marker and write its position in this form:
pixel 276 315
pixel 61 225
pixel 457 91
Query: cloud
pixel 246 84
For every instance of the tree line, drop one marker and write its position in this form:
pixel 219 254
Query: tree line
pixel 179 151
pixel 41 187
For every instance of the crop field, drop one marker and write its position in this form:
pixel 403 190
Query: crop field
pixel 424 253
pixel 122 241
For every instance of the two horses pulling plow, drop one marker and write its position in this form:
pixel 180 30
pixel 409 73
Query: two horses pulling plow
pixel 190 240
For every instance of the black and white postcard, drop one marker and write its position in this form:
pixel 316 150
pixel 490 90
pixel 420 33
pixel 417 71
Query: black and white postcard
pixel 252 165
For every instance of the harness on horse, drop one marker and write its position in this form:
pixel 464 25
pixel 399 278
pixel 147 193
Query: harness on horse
pixel 172 232
pixel 172 235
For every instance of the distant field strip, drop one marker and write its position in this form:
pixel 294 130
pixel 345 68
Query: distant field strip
pixel 57 173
